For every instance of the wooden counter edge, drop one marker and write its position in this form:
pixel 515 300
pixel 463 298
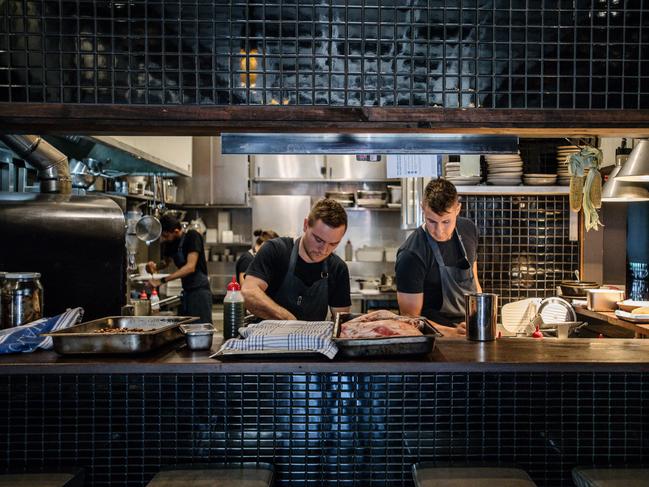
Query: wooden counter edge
pixel 610 318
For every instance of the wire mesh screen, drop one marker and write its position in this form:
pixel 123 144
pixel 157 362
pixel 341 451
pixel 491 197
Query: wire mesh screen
pixel 454 54
pixel 524 248
pixel 324 429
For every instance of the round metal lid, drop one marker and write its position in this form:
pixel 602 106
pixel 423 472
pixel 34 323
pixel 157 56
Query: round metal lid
pixel 23 275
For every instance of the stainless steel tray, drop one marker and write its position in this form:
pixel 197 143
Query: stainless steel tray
pixel 84 339
pixel 381 347
pixel 262 355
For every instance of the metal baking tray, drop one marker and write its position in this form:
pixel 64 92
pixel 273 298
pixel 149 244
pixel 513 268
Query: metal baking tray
pixel 383 346
pixel 262 355
pixel 84 339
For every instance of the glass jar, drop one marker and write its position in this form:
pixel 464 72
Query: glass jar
pixel 22 298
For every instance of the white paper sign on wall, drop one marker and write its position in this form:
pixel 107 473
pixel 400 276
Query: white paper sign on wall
pixel 412 165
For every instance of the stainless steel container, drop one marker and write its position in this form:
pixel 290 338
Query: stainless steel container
pixel 603 299
pixel 198 335
pixel 481 312
pixel 22 298
pixel 141 307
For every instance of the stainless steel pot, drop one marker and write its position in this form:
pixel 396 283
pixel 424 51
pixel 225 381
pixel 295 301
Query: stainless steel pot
pixel 368 283
pixel 576 288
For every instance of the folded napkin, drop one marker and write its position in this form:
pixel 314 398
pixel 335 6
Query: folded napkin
pixel 26 338
pixel 310 336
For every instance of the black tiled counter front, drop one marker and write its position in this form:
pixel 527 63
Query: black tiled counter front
pixel 545 406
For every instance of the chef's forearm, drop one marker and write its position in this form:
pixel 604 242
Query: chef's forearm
pixel 261 305
pixel 184 271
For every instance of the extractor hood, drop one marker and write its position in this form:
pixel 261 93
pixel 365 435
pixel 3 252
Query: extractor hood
pixel 378 143
pixel 124 156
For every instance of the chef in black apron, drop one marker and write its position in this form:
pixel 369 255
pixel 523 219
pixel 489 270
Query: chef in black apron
pixel 301 278
pixel 187 252
pixel 245 259
pixel 437 265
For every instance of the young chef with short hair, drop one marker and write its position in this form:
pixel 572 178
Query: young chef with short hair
pixel 438 263
pixel 301 279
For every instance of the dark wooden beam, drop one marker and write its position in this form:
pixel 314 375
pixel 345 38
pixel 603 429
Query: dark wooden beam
pixel 209 120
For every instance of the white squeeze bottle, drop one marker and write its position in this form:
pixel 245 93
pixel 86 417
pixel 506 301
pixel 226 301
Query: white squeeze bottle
pixel 155 302
pixel 234 310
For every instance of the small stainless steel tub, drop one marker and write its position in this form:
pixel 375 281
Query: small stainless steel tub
pixel 198 335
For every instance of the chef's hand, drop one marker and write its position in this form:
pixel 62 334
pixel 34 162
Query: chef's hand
pixel 151 267
pixel 155 283
pixel 461 329
pixel 452 331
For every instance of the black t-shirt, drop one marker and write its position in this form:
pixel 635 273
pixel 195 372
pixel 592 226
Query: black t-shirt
pixel 243 262
pixel 271 265
pixel 193 242
pixel 417 272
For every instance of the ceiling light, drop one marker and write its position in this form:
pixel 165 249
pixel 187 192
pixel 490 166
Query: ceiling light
pixel 616 191
pixel 636 168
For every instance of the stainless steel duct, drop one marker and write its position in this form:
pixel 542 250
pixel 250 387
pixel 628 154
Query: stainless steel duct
pixel 52 165
pixel 375 143
pixel 77 243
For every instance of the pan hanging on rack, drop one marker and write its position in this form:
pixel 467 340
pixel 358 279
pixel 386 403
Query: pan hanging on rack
pixel 148 228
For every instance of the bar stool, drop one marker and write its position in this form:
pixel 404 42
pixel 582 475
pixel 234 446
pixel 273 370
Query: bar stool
pixel 47 479
pixel 428 475
pixel 610 477
pixel 216 475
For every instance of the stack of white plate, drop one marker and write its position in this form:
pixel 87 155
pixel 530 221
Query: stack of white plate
pixel 504 169
pixel 563 151
pixel 540 179
pixel 452 171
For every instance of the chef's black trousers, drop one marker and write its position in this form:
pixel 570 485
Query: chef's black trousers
pixel 198 302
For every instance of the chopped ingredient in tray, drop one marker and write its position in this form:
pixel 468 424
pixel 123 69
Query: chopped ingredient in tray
pixel 380 323
pixel 119 330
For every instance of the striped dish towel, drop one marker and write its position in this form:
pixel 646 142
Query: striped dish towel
pixel 310 336
pixel 26 338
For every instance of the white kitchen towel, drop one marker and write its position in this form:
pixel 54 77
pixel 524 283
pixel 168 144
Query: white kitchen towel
pixel 309 336
pixel 27 338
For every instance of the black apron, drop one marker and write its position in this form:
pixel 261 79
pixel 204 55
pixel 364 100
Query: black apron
pixel 309 303
pixel 456 281
pixel 196 299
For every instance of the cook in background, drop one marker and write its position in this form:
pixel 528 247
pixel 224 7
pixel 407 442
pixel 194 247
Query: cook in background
pixel 438 263
pixel 301 279
pixel 244 261
pixel 187 252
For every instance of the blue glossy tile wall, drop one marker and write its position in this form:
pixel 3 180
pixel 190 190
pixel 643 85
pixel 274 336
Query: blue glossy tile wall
pixel 324 429
pixel 456 54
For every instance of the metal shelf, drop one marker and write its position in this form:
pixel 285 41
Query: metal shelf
pixel 223 244
pixel 337 181
pixel 514 190
pixel 355 208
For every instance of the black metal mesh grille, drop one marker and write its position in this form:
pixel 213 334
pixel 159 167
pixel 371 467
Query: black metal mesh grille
pixel 324 429
pixel 469 53
pixel 524 248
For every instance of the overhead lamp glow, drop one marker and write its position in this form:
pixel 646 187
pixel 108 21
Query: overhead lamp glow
pixel 636 168
pixel 616 191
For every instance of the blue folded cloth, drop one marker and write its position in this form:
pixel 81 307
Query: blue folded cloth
pixel 26 338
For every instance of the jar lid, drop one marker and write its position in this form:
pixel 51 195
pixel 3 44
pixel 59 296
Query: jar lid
pixel 19 276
